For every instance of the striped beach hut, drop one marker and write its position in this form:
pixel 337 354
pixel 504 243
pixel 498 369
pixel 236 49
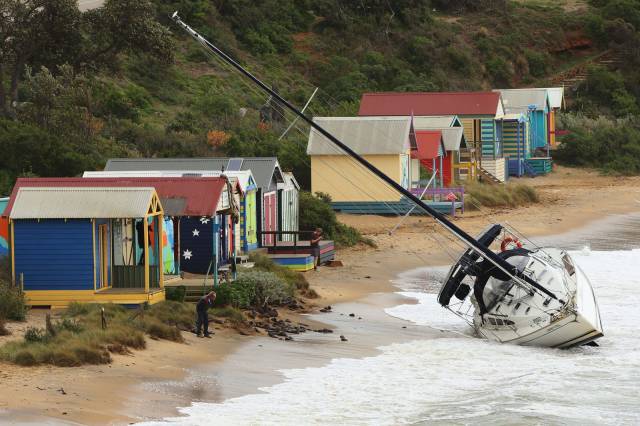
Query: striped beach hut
pixel 479 112
pixel 517 145
pixel 288 207
pixel 534 104
pixel 266 171
pixel 198 231
pixel 63 239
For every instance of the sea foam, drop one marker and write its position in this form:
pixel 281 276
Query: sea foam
pixel 460 380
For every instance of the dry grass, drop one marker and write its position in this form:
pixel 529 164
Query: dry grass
pixel 508 195
pixel 78 338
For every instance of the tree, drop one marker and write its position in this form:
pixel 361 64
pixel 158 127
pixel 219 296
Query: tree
pixel 50 33
pixel 124 26
pixel 33 32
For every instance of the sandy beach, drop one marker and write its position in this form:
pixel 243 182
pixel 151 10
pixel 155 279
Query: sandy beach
pixel 153 383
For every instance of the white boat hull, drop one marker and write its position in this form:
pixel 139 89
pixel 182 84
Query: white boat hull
pixel 582 326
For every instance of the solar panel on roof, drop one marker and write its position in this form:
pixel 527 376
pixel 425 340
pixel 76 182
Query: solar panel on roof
pixel 234 164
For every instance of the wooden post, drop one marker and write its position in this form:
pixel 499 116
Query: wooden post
pixel 216 246
pixel 49 327
pixel 93 241
pixel 13 254
pixel 146 253
pixel 103 319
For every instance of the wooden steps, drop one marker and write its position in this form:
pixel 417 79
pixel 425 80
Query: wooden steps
pixel 488 177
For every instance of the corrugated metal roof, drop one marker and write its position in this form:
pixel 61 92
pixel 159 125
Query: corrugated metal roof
pixel 180 196
pixel 452 138
pixel 518 100
pixel 263 168
pixel 244 177
pixel 364 135
pixel 515 117
pixel 81 203
pixel 431 103
pixel 429 144
pixel 556 96
pixel 289 182
pixel 433 122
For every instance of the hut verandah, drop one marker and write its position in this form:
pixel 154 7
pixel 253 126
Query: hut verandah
pixel 87 244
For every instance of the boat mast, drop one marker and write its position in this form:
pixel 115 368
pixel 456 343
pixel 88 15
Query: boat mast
pixel 467 239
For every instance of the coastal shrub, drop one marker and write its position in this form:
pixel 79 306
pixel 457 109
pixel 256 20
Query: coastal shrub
pixel 243 290
pixel 295 280
pixel 316 212
pixel 259 289
pixel 35 335
pixel 508 195
pixel 13 305
pixel 175 293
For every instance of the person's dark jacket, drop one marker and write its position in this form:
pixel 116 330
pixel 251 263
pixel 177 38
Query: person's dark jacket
pixel 204 303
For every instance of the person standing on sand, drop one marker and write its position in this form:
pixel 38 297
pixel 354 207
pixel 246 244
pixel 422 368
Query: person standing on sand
pixel 316 237
pixel 202 312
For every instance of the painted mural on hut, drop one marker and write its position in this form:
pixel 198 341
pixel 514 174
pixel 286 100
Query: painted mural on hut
pixel 4 229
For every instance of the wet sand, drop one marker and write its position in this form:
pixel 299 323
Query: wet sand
pixel 153 383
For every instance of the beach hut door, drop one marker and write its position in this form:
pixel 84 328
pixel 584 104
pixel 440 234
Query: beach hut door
pixel 103 257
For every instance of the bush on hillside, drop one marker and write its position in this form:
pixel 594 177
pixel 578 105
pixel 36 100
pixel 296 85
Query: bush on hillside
pixel 610 145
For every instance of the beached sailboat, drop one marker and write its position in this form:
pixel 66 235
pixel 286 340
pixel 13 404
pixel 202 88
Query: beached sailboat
pixel 528 296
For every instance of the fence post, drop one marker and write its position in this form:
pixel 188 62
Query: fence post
pixel 103 318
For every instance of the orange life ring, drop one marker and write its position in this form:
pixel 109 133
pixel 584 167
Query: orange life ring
pixel 507 241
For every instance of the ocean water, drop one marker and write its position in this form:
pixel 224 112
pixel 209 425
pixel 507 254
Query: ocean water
pixel 458 379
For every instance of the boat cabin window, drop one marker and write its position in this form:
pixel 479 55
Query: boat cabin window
pixel 496 289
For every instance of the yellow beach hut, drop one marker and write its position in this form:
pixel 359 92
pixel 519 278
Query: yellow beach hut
pixel 383 141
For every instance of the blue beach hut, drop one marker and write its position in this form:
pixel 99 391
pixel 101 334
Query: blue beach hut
pixel 64 245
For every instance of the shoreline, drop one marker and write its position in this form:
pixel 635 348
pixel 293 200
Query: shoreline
pixel 152 384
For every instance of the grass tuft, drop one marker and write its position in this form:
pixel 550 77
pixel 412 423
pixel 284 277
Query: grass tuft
pixel 78 337
pixel 508 195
